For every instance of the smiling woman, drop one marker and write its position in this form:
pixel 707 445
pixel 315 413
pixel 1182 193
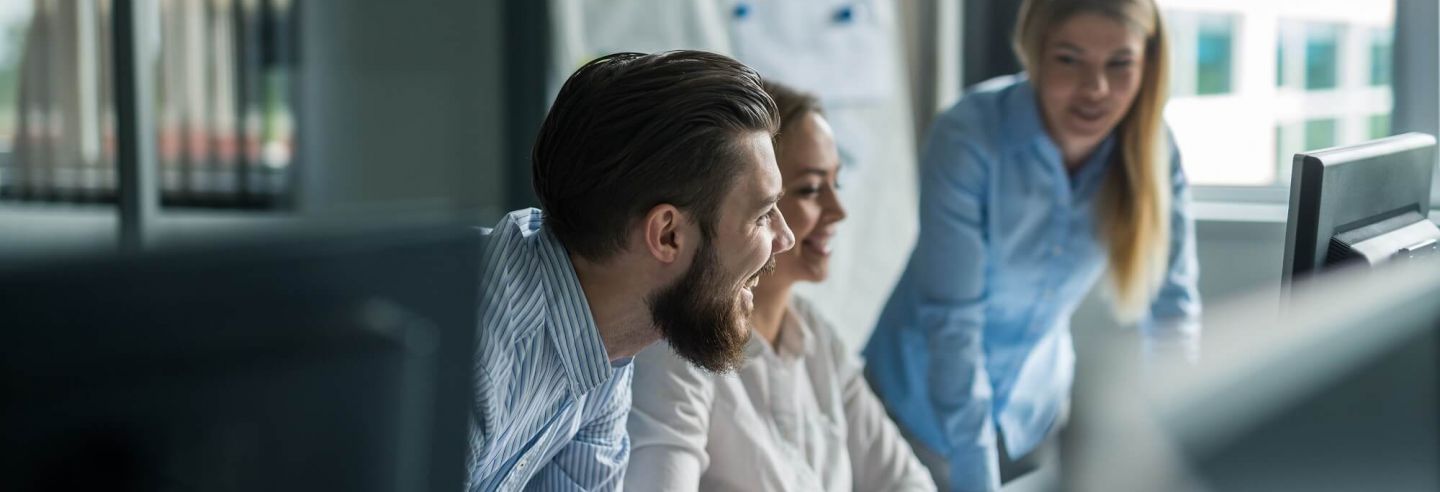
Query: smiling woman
pixel 1033 186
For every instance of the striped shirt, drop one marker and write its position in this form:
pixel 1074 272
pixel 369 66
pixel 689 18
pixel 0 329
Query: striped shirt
pixel 550 407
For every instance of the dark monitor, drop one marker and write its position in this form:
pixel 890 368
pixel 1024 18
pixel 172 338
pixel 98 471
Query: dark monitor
pixel 1366 203
pixel 340 363
pixel 1339 392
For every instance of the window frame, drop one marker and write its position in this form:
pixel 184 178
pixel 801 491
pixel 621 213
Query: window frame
pixel 1416 37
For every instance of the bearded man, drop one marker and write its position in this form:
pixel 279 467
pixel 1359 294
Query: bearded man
pixel 658 182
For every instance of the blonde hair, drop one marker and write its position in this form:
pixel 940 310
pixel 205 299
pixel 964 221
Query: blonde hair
pixel 1132 211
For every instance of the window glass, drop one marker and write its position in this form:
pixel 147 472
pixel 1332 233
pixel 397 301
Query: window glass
pixel 1255 82
pixel 1214 56
pixel 1379 126
pixel 1382 54
pixel 1322 56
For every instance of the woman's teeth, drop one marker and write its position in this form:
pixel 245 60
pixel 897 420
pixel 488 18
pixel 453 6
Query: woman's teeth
pixel 1090 114
pixel 821 246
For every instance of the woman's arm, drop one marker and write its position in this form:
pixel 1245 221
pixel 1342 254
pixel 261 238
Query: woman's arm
pixel 669 422
pixel 950 258
pixel 1173 324
pixel 880 458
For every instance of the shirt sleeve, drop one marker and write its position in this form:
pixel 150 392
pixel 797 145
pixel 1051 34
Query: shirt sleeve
pixel 595 458
pixel 880 458
pixel 951 256
pixel 669 423
pixel 1172 327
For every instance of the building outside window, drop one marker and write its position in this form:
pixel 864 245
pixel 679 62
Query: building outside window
pixel 1322 54
pixel 1382 54
pixel 1255 82
pixel 1214 53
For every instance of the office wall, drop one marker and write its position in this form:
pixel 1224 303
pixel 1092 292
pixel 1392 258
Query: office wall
pixel 401 106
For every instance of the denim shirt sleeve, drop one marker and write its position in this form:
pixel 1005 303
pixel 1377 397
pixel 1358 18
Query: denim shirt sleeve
pixel 951 258
pixel 1172 326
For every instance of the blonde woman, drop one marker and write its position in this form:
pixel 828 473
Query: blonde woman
pixel 1033 188
pixel 797 414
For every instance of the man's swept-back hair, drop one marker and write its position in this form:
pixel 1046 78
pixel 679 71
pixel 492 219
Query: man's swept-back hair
pixel 631 131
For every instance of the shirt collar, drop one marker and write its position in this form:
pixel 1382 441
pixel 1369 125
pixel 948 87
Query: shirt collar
pixel 570 324
pixel 797 337
pixel 796 341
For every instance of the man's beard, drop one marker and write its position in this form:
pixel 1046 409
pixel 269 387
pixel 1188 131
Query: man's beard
pixel 701 319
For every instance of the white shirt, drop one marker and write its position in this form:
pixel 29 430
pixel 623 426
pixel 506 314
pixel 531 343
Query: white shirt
pixel 799 417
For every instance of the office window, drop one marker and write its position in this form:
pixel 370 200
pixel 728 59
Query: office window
pixel 1322 56
pixel 1202 53
pixel 1288 142
pixel 222 94
pixel 1382 43
pixel 1280 63
pixel 1296 137
pixel 1214 54
pixel 1379 126
pixel 1238 115
pixel 1320 134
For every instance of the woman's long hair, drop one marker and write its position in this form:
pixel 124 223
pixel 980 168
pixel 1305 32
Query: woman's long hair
pixel 1132 210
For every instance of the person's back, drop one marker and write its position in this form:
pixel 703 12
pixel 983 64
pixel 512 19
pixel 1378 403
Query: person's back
pixel 658 182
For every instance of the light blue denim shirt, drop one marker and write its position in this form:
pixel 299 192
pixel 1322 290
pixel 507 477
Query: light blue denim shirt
pixel 550 407
pixel 977 332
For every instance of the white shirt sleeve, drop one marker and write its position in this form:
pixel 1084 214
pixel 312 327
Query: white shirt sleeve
pixel 880 458
pixel 669 422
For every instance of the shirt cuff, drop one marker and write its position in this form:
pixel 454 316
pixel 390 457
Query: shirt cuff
pixel 973 470
pixel 1176 339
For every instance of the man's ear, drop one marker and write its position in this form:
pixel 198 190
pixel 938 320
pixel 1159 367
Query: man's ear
pixel 665 234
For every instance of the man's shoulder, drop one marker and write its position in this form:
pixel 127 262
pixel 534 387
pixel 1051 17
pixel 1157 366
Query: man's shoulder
pixel 512 281
pixel 515 226
pixel 512 243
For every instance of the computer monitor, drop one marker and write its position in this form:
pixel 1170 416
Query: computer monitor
pixel 1365 203
pixel 334 363
pixel 1335 392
